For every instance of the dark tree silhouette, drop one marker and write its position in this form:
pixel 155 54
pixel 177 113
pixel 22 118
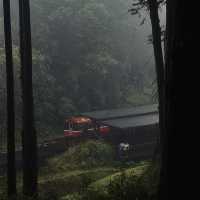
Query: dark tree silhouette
pixel 152 6
pixel 11 171
pixel 180 112
pixel 29 138
pixel 157 45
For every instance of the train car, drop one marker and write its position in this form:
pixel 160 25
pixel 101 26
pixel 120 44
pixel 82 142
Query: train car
pixel 79 126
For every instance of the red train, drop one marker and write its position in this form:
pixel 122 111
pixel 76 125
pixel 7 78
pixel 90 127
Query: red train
pixel 83 126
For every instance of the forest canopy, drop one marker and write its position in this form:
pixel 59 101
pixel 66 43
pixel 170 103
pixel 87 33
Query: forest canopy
pixel 85 57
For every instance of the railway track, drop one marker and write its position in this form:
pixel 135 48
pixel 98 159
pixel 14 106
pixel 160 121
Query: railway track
pixel 57 146
pixel 137 125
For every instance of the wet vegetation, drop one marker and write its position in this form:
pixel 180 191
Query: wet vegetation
pixel 82 60
pixel 86 155
pixel 90 176
pixel 87 55
pixel 85 58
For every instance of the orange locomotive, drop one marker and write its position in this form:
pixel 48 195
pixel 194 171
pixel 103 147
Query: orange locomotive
pixel 79 126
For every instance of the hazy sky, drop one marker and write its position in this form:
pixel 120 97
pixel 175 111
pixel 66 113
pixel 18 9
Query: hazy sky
pixel 144 50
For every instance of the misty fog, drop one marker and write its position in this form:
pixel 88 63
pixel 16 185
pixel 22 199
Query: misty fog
pixel 87 55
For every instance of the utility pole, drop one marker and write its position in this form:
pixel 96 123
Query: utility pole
pixel 29 138
pixel 11 169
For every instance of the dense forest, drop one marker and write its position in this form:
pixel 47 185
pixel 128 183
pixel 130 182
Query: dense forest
pixel 82 58
pixel 85 57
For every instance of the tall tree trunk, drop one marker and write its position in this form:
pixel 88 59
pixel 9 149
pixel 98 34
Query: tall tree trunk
pixel 11 170
pixel 29 138
pixel 180 58
pixel 169 117
pixel 157 46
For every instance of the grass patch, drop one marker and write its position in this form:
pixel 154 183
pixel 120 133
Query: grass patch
pixel 70 182
pixel 88 172
pixel 103 183
pixel 140 182
pixel 86 155
pixel 72 171
pixel 3 187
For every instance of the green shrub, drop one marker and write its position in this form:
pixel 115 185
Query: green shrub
pixel 3 187
pixel 94 153
pixel 74 196
pixel 127 185
pixel 85 155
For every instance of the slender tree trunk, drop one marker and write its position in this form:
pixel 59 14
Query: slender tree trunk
pixel 11 170
pixel 29 138
pixel 180 64
pixel 160 72
pixel 169 118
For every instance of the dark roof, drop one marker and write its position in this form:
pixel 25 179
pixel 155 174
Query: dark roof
pixel 135 121
pixel 120 113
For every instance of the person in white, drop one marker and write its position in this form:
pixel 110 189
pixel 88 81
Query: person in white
pixel 124 146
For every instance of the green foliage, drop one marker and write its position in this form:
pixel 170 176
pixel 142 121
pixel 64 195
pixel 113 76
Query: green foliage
pixel 83 59
pixel 138 99
pixel 71 181
pixel 75 196
pixel 94 153
pixel 127 185
pixel 86 155
pixel 3 187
